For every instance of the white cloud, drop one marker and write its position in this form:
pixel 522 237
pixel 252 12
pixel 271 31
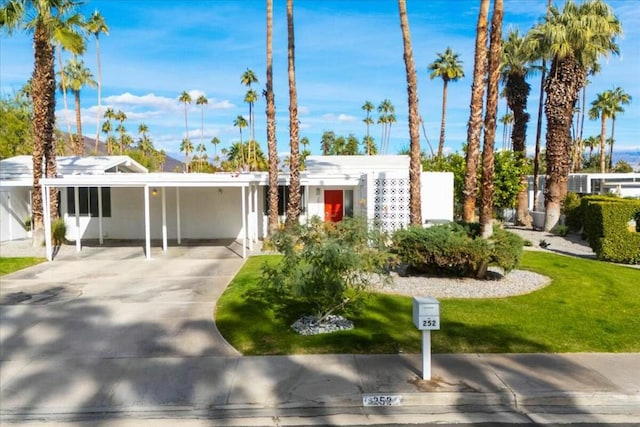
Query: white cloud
pixel 303 110
pixel 149 100
pixel 345 118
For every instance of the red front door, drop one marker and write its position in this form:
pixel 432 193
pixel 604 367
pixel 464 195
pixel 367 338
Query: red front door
pixel 333 205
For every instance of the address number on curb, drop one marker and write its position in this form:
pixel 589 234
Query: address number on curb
pixel 381 400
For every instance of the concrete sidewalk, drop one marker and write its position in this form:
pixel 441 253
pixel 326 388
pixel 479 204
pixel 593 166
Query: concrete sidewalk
pixel 253 390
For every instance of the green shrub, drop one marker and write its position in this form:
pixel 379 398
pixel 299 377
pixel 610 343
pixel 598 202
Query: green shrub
pixel 58 232
pixel 560 230
pixel 327 265
pixel 456 249
pixel 607 230
pixel 573 214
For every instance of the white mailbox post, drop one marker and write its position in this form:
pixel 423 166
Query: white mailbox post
pixel 426 317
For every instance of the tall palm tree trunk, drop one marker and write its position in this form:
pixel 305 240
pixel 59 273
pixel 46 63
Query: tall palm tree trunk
pixel 519 88
pixel 487 188
pixel 79 147
pixel 562 85
pixel 613 129
pixel 63 84
pixel 415 167
pixel 271 126
pixel 44 148
pixel 474 128
pixel 293 207
pixel 444 118
pixel 97 145
pixel 603 142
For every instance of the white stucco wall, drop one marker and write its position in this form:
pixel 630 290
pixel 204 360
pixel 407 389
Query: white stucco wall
pixel 437 196
pixel 205 213
pixel 14 209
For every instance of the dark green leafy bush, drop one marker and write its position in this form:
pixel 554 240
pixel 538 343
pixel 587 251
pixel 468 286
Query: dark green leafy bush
pixel 58 232
pixel 606 224
pixel 456 250
pixel 573 214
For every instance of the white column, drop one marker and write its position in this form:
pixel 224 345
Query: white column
pixel 244 224
pixel 100 215
pixel 164 219
pixel 257 212
pixel 76 201
pixel 249 220
pixel 147 227
pixel 46 218
pixel 178 215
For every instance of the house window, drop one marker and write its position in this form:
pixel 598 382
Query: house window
pixel 88 197
pixel 348 203
pixel 283 198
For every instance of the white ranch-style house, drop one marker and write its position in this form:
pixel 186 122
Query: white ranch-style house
pixel 114 197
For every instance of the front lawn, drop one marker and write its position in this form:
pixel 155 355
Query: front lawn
pixel 589 306
pixel 9 265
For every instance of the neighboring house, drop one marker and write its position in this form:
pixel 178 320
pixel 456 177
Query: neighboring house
pixel 124 201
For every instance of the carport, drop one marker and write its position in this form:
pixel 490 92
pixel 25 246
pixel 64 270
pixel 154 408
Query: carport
pixel 168 187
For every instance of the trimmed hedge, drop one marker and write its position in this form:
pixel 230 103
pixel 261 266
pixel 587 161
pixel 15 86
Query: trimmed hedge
pixel 456 250
pixel 606 226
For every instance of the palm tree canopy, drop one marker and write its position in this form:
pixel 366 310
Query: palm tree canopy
pixel 77 76
pixel 368 106
pixel 240 122
pixel 583 32
pixel 96 24
pixel 621 98
pixel 185 97
pixel 603 105
pixel 517 55
pixel 54 15
pixel 186 146
pixel 251 96
pixel 248 77
pixel 202 100
pixel 448 66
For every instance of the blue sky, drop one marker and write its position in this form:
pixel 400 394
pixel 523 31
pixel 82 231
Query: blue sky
pixel 347 52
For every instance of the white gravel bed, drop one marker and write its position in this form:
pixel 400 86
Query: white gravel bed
pixel 517 282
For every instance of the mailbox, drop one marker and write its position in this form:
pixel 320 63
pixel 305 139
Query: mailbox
pixel 426 313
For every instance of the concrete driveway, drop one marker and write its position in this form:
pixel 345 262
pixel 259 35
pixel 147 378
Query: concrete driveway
pixel 112 303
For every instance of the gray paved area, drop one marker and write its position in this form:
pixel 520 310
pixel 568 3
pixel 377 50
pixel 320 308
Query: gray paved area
pixel 112 339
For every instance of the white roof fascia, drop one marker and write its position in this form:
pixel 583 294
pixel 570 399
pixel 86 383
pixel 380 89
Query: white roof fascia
pixel 152 179
pixel 356 164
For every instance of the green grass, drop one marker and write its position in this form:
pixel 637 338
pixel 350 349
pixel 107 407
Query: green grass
pixel 589 306
pixel 9 265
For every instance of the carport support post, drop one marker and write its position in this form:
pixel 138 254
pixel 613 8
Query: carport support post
pixel 76 202
pixel 244 223
pixel 101 238
pixel 179 236
pixel 46 214
pixel 147 228
pixel 164 220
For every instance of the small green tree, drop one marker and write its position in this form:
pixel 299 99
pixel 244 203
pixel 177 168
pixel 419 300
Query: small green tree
pixel 327 265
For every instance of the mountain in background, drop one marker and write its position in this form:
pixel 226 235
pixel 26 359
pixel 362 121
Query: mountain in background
pixel 630 156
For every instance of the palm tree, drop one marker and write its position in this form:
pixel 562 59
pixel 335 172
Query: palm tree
pixel 448 67
pixel 517 54
pixel 488 166
pixel 202 101
pixel 369 146
pixel 215 141
pixel 541 52
pixel 120 116
pixel 621 98
pixel 415 166
pixel 247 79
pixel 186 147
pixel 507 122
pixel 107 128
pixel 602 108
pixel 77 76
pixel 386 118
pixel 293 205
pixel 241 123
pixel 144 143
pixel 185 98
pixel 577 37
pixel 43 17
pixel 271 126
pixel 202 155
pixel 368 107
pixel 474 127
pixel 97 25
